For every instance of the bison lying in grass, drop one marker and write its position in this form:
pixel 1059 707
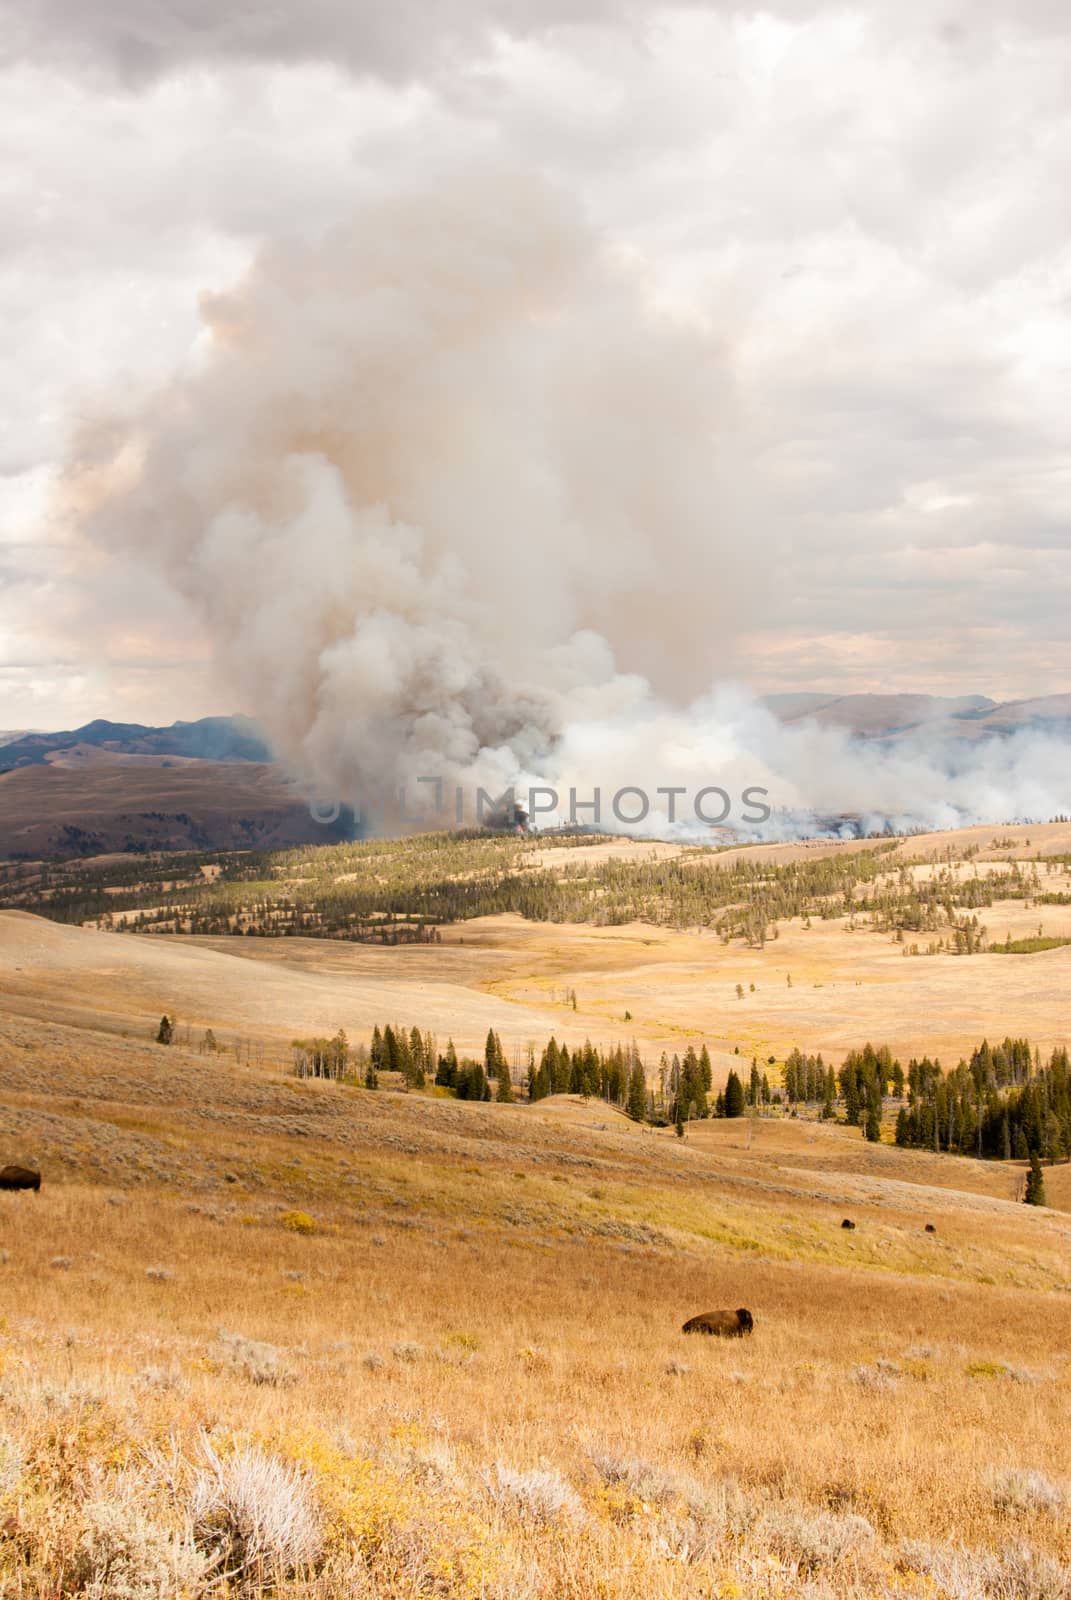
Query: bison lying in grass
pixel 19 1178
pixel 724 1324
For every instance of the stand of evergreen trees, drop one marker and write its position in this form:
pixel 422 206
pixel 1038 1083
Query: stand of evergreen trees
pixel 1002 1104
pixel 402 891
pixel 617 1076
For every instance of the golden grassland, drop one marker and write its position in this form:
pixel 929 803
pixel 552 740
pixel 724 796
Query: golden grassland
pixel 829 987
pixel 268 1337
pixel 261 1336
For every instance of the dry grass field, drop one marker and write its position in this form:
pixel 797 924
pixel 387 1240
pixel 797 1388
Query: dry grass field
pixel 827 986
pixel 270 1337
pixel 333 1342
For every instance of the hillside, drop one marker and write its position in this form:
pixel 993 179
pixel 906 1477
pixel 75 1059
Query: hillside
pixel 113 786
pixel 846 986
pixel 335 1340
pixel 87 801
pixel 756 951
pixel 413 1347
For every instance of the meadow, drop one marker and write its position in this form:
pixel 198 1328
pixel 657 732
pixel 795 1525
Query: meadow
pixel 263 1336
pixel 338 1342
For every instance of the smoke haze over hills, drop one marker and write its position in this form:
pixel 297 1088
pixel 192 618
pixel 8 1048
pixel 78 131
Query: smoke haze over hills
pixel 448 495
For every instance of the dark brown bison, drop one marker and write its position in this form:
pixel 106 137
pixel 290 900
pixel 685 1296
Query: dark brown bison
pixel 725 1324
pixel 20 1178
pixel 930 1228
pixel 847 1223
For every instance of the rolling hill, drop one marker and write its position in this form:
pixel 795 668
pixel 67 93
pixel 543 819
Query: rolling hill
pixel 86 800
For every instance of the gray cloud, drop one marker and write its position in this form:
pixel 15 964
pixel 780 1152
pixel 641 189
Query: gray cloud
pixel 139 40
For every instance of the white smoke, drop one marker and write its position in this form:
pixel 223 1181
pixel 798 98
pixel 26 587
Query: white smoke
pixel 816 779
pixel 446 493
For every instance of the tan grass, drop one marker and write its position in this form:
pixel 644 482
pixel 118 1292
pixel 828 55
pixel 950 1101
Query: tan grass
pixel 495 1399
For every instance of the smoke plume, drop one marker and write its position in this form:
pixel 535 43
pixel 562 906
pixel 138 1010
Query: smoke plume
pixel 447 493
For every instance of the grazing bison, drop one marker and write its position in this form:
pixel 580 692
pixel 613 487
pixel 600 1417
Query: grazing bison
pixel 847 1223
pixel 725 1324
pixel 930 1228
pixel 20 1178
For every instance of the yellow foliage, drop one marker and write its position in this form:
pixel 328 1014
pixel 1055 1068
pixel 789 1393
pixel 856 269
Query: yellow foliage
pixel 297 1222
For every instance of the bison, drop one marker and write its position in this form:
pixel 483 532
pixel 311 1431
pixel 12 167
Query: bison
pixel 847 1223
pixel 930 1228
pixel 20 1178
pixel 725 1324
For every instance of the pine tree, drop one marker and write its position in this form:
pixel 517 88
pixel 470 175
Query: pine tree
pixel 166 1031
pixel 446 1076
pixel 419 1057
pixel 551 1065
pixel 872 1126
pixel 734 1096
pixel 390 1050
pixel 637 1093
pixel 1035 1182
pixel 504 1087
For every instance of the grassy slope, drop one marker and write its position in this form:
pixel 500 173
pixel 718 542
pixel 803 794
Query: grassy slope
pixel 488 1291
pixel 443 1339
pixel 846 985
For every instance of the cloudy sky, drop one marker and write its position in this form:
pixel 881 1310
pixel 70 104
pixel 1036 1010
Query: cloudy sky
pixel 851 223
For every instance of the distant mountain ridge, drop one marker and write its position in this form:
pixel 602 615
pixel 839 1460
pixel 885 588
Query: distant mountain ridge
pixel 864 716
pixel 893 716
pixel 209 739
